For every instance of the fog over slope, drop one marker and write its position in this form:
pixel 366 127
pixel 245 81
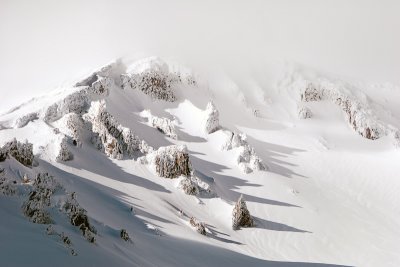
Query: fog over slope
pixel 46 42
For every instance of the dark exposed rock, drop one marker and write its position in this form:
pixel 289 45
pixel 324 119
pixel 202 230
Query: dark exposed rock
pixel 241 216
pixel 199 226
pixel 124 235
pixel 39 199
pixel 79 218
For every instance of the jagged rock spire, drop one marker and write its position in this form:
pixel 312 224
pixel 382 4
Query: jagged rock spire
pixel 240 215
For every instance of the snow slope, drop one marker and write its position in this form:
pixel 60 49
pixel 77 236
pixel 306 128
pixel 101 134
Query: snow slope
pixel 328 196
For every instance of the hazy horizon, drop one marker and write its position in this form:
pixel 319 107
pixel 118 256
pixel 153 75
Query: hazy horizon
pixel 46 43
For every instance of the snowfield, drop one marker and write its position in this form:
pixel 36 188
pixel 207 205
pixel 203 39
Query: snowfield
pixel 149 159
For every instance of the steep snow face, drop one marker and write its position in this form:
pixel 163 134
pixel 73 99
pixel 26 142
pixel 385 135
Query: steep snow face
pixel 120 174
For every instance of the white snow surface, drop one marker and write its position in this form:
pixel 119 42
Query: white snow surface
pixel 328 198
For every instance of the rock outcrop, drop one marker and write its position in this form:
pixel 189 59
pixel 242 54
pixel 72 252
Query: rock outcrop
pixel 154 79
pixel 358 114
pixel 24 120
pixel 211 121
pixel 172 162
pixel 111 137
pixel 7 187
pixel 198 226
pixel 188 186
pixel 304 112
pixel 77 102
pixel 241 216
pixel 78 217
pixel 39 199
pixel 246 157
pixel 63 153
pixel 22 152
pixel 124 235
pixel 164 125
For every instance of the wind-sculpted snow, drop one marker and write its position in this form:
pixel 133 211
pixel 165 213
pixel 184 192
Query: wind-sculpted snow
pixel 246 157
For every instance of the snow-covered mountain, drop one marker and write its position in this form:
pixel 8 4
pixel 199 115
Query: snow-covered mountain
pixel 152 164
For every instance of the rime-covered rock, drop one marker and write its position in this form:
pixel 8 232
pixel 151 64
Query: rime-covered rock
pixel 22 152
pixel 78 217
pixel 198 226
pixel 39 199
pixel 240 215
pixel 188 186
pixel 77 102
pixel 172 161
pixel 24 120
pixel 124 235
pixel 235 139
pixel 74 127
pixel 7 187
pixel 304 112
pixel 154 79
pixel 211 121
pixel 110 136
pixel 164 125
pixel 358 115
pixel 63 153
pixel 246 157
pixel 311 93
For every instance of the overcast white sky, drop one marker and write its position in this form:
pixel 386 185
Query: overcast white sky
pixel 44 43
